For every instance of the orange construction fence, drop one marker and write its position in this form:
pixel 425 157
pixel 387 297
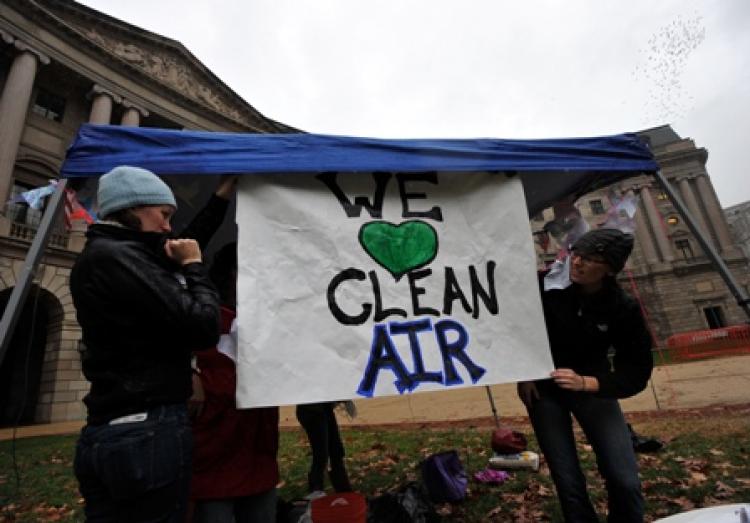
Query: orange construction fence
pixel 710 343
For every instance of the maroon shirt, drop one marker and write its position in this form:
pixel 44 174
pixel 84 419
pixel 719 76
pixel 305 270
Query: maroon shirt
pixel 234 451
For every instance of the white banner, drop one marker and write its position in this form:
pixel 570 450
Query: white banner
pixel 359 285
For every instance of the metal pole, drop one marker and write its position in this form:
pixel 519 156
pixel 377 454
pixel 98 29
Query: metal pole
pixel 719 265
pixel 21 290
pixel 656 397
pixel 492 404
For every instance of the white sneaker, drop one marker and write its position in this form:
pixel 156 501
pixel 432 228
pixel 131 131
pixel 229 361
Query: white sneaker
pixel 314 495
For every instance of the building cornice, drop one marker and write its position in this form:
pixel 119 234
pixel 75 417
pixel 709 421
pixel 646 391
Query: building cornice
pixel 670 158
pixel 47 13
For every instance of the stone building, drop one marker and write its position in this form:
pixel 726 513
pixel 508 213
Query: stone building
pixel 63 64
pixel 668 270
pixel 738 217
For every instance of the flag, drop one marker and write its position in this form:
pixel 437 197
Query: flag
pixel 34 197
pixel 74 210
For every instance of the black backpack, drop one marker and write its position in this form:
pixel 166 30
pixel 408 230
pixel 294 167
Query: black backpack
pixel 409 505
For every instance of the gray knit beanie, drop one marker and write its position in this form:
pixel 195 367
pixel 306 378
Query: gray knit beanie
pixel 124 187
pixel 611 244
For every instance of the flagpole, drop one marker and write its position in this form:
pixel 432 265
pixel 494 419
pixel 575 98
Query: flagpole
pixel 21 289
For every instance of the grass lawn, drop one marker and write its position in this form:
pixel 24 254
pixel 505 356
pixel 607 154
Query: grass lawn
pixel 706 462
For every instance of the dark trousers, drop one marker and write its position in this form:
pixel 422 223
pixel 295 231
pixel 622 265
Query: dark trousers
pixel 139 471
pixel 319 422
pixel 604 425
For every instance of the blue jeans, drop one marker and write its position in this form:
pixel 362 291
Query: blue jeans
pixel 604 426
pixel 260 508
pixel 138 471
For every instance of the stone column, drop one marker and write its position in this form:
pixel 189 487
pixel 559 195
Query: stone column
pixel 131 117
pixel 645 239
pixel 715 214
pixel 14 104
pixel 656 225
pixel 77 235
pixel 101 106
pixel 688 196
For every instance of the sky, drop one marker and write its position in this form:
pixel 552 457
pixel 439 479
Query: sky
pixel 480 68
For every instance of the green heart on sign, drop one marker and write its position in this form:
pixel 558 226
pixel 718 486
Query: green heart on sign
pixel 399 248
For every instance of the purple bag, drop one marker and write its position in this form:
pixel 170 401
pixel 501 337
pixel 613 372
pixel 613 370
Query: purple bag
pixel 444 477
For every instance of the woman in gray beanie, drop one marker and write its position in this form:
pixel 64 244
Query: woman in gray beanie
pixel 144 302
pixel 585 323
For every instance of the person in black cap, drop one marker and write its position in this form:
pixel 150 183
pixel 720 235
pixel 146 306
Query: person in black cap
pixel 602 352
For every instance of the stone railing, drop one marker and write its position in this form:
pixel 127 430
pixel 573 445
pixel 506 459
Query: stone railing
pixel 23 231
pixel 72 240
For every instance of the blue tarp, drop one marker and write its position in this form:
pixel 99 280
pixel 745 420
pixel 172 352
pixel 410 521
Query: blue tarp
pixel 98 148
pixel 586 163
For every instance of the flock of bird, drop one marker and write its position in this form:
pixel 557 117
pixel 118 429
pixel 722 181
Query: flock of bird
pixel 662 65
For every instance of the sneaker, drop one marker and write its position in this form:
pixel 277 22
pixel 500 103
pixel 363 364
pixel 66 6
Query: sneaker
pixel 314 495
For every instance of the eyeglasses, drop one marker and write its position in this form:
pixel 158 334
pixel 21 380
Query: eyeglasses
pixel 588 259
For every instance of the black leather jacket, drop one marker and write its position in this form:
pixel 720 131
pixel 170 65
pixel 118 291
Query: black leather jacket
pixel 141 316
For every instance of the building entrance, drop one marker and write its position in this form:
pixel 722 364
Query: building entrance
pixel 21 369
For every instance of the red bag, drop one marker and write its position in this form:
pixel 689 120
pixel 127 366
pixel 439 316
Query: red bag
pixel 507 441
pixel 346 507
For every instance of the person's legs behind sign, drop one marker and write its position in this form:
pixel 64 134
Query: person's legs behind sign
pixel 313 419
pixel 319 422
pixel 337 473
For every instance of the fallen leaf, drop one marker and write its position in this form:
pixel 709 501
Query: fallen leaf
pixel 648 484
pixel 696 478
pixel 723 490
pixel 445 510
pixel 544 491
pixel 683 502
